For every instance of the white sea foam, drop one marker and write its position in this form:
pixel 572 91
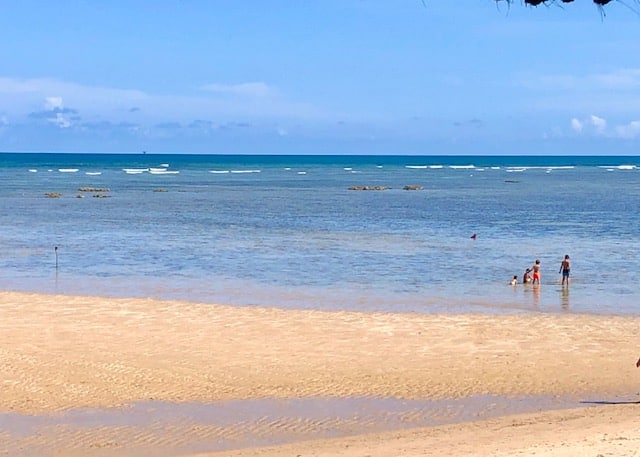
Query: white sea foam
pixel 134 171
pixel 67 170
pixel 246 171
pixel 152 169
pixel 164 172
pixel 93 173
pixel 462 167
pixel 218 172
pixel 33 170
pixel 436 167
pixel 546 168
pixel 619 167
pixel 348 169
pixel 417 167
pixel 302 172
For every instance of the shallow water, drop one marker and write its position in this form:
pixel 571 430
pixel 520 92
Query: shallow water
pixel 260 422
pixel 287 231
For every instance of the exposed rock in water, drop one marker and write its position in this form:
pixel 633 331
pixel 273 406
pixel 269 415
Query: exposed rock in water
pixel 413 187
pixel 369 188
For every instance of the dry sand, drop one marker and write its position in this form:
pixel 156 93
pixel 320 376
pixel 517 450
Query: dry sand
pixel 60 353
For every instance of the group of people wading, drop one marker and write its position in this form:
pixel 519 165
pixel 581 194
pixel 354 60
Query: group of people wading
pixel 533 275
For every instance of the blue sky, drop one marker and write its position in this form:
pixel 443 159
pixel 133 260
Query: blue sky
pixel 314 77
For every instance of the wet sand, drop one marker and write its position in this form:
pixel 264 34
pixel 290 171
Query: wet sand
pixel 63 355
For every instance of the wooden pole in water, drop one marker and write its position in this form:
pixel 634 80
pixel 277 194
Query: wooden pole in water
pixel 56 251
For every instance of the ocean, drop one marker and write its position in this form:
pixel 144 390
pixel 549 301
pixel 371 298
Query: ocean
pixel 288 231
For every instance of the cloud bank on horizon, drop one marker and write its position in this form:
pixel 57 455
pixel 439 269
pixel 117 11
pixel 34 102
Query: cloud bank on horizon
pixel 338 77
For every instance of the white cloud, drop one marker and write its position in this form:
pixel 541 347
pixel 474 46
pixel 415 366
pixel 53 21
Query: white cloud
pixel 60 121
pixel 254 89
pixel 595 125
pixel 52 103
pixel 599 123
pixel 576 125
pixel 96 103
pixel 592 124
pixel 628 131
pixel 26 95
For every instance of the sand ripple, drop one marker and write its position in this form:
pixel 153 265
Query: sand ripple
pixel 62 352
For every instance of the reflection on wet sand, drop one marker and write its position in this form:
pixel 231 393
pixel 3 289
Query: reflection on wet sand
pixel 565 298
pixel 536 295
pixel 226 425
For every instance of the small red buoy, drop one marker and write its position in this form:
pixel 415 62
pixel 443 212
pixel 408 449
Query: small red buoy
pixel 473 237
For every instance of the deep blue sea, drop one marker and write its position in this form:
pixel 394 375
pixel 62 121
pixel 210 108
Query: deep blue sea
pixel 287 231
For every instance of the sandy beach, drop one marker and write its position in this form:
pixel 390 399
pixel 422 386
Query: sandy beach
pixel 72 367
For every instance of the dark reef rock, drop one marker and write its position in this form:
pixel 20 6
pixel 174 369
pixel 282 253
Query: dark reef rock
pixel 369 188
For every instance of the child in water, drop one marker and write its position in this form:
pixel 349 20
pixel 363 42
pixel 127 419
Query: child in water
pixel 526 277
pixel 514 281
pixel 536 272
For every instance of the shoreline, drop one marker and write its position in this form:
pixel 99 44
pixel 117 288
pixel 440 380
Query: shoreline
pixel 500 298
pixel 594 431
pixel 68 352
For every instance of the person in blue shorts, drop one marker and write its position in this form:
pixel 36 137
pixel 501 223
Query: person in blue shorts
pixel 565 269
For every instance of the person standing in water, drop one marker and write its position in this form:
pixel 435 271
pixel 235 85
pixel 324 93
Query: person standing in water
pixel 536 272
pixel 565 269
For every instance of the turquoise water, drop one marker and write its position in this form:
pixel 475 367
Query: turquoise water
pixel 287 231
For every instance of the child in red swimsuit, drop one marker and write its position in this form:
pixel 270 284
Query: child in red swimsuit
pixel 536 272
